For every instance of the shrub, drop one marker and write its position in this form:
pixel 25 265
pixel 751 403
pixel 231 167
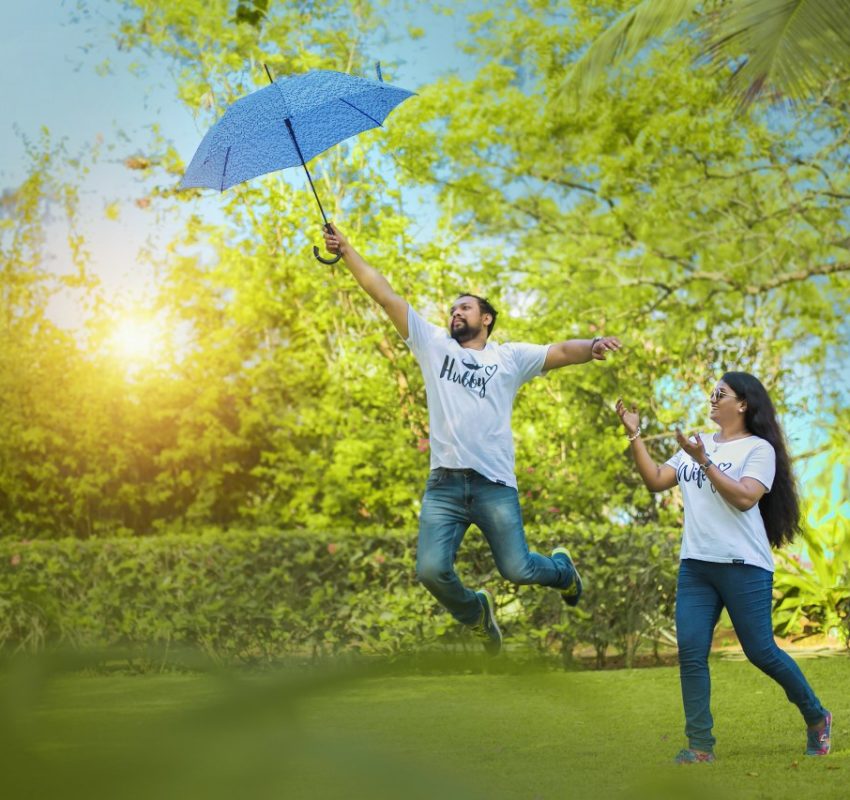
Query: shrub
pixel 257 596
pixel 815 599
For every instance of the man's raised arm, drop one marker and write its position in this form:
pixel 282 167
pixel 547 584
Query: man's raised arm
pixel 375 284
pixel 579 351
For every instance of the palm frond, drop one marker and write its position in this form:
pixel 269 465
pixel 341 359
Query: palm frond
pixel 783 47
pixel 624 40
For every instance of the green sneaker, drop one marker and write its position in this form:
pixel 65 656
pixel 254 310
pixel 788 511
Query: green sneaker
pixel 571 592
pixel 487 629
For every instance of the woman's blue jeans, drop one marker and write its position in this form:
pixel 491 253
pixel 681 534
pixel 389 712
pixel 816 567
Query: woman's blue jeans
pixel 746 592
pixel 455 499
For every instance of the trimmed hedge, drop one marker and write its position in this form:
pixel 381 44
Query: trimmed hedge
pixel 263 595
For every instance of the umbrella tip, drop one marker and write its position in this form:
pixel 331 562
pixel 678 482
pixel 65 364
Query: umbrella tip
pixel 268 72
pixel 378 71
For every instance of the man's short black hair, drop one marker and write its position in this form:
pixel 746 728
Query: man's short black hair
pixel 485 308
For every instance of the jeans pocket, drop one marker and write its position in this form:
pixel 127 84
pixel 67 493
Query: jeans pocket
pixel 435 478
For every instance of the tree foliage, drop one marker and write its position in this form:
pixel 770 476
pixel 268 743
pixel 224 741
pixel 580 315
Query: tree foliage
pixel 704 240
pixel 792 49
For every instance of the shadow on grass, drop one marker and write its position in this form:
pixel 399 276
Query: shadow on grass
pixel 245 735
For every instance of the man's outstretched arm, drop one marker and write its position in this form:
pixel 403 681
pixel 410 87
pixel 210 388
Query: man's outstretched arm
pixel 579 351
pixel 375 284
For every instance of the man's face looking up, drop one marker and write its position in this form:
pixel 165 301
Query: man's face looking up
pixel 466 320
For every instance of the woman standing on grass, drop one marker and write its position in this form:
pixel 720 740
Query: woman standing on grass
pixel 740 499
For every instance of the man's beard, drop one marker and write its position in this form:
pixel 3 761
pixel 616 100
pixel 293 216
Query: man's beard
pixel 463 332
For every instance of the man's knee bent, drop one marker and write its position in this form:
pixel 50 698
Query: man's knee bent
pixel 520 572
pixel 432 573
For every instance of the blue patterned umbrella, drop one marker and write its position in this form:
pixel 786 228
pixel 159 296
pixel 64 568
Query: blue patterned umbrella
pixel 286 124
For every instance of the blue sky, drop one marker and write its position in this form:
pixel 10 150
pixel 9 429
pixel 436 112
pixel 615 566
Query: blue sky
pixel 49 55
pixel 50 52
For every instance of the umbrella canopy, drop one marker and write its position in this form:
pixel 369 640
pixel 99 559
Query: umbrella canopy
pixel 286 124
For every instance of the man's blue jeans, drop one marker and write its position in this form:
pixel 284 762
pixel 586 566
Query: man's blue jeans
pixel 746 592
pixel 454 499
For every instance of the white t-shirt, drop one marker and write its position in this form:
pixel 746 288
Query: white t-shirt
pixel 470 398
pixel 714 529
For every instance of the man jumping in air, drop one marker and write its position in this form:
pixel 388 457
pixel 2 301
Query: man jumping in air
pixel 470 384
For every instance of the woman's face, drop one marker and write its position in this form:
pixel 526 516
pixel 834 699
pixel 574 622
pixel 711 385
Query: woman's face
pixel 725 404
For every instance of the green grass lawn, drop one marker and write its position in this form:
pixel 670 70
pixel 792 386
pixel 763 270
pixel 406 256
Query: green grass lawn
pixel 485 731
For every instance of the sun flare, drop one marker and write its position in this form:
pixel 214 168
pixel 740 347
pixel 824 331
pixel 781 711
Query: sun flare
pixel 136 340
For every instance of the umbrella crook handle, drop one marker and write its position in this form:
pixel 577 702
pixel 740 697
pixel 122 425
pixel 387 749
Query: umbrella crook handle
pixel 326 260
pixel 320 257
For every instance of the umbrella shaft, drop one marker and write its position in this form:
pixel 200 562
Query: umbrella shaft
pixel 304 164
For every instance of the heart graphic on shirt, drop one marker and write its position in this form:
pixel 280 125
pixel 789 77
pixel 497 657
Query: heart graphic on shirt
pixel 723 466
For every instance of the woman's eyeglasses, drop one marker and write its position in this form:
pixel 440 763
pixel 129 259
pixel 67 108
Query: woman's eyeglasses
pixel 716 394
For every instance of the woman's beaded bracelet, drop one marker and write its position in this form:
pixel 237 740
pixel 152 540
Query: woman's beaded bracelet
pixel 635 434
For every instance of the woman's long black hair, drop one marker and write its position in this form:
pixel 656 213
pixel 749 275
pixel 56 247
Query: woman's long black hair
pixel 780 507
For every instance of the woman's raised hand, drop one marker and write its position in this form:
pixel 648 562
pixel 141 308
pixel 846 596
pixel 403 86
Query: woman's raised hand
pixel 692 445
pixel 629 418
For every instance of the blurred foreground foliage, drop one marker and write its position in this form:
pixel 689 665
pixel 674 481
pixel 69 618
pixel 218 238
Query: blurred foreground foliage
pixel 388 728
